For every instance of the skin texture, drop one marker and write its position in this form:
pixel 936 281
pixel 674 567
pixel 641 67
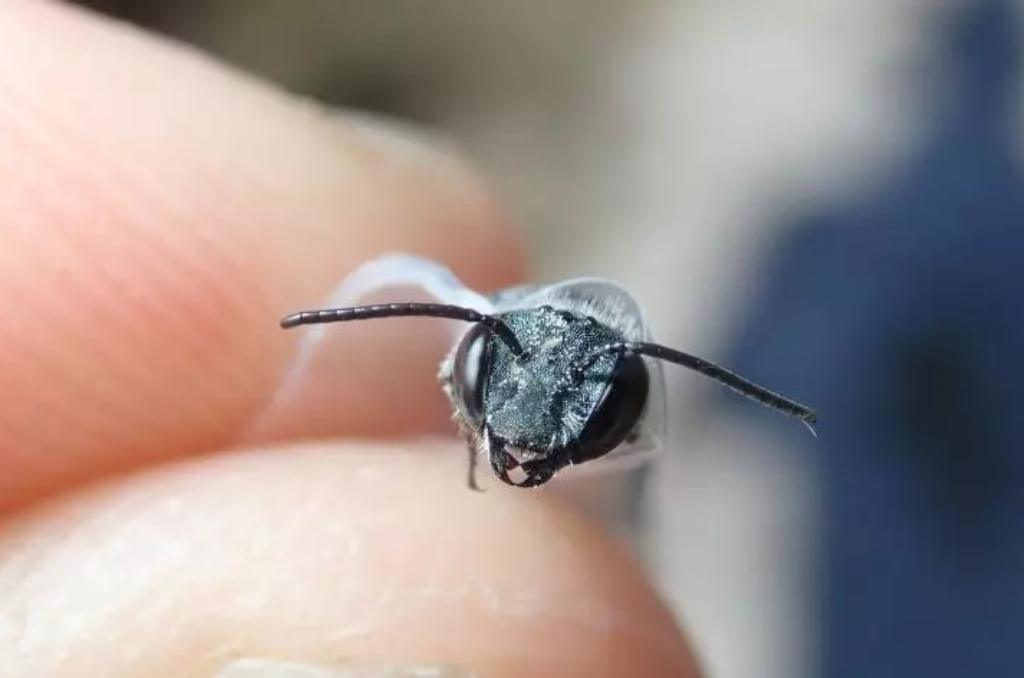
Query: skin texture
pixel 160 510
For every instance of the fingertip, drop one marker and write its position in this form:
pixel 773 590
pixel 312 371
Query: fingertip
pixel 164 213
pixel 320 553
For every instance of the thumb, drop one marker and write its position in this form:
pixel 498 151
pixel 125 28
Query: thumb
pixel 158 214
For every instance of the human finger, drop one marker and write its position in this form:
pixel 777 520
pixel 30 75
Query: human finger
pixel 324 555
pixel 159 213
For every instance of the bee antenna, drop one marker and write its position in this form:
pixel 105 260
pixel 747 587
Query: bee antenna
pixel 405 310
pixel 723 376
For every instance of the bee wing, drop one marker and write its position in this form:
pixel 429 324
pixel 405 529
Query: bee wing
pixel 401 270
pixel 404 270
pixel 603 299
pixel 390 271
pixel 614 306
pixel 510 297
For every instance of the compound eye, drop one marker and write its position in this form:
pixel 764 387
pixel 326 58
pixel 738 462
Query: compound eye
pixel 618 412
pixel 469 371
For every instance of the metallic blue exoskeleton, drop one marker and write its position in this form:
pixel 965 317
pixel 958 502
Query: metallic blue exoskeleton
pixel 551 409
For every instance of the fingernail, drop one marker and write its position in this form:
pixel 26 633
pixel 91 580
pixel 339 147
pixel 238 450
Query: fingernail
pixel 267 668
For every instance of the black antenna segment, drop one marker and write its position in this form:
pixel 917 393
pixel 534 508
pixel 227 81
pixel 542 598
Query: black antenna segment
pixel 406 310
pixel 723 376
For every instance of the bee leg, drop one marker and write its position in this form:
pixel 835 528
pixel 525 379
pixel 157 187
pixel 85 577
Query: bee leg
pixel 473 463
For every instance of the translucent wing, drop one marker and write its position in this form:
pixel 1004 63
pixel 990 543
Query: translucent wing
pixel 404 270
pixel 387 272
pixel 611 304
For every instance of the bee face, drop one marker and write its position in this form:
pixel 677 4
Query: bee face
pixel 552 404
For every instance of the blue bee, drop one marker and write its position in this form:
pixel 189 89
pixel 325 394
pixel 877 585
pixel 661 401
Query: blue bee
pixel 544 377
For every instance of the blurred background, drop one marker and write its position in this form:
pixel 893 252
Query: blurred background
pixel 823 195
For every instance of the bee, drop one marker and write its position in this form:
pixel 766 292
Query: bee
pixel 541 377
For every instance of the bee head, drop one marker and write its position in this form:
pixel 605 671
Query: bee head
pixel 562 400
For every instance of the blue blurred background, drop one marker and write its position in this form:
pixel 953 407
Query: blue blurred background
pixel 826 196
pixel 900 313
